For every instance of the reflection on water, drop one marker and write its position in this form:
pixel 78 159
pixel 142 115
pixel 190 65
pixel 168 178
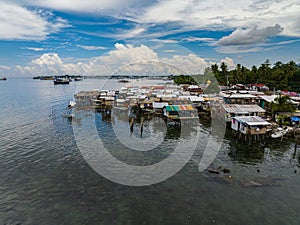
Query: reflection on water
pixel 45 180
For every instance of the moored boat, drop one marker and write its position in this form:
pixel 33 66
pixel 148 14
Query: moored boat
pixel 71 104
pixel 280 132
pixel 61 81
pixel 78 79
pixel 3 78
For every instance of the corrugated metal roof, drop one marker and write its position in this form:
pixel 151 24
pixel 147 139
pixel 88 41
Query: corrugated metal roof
pixel 166 96
pixel 252 120
pixel 239 96
pixel 179 107
pixel 236 108
pixel 159 105
pixel 196 98
pixel 269 98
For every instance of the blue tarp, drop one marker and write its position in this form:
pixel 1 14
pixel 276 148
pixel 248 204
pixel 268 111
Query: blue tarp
pixel 295 118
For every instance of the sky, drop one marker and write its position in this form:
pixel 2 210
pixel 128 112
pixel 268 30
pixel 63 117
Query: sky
pixel 106 37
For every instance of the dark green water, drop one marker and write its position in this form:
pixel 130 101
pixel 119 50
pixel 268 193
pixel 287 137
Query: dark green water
pixel 45 180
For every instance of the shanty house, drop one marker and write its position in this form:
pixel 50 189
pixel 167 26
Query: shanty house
pixel 252 125
pixel 233 110
pixel 176 112
pixel 238 98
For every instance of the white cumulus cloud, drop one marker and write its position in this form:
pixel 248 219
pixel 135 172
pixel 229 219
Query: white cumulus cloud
pixel 229 62
pixel 188 64
pixel 122 56
pixel 123 59
pixel 52 64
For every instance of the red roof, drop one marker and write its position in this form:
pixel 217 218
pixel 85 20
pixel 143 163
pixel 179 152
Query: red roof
pixel 260 85
pixel 158 87
pixel 257 85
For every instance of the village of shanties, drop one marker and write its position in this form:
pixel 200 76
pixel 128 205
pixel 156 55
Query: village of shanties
pixel 253 104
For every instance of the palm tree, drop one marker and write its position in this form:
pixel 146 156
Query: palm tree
pixel 264 71
pixel 282 104
pixel 224 72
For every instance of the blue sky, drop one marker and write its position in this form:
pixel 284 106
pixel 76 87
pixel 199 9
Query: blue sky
pixel 107 36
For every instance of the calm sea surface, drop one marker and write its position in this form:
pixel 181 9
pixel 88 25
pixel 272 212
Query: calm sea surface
pixel 44 178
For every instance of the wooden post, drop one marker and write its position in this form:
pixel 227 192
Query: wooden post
pixel 131 124
pixel 142 127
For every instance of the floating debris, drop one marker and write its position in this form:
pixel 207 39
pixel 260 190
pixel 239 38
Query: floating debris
pixel 214 171
pixel 258 182
pixel 225 170
pixel 250 183
pixel 229 179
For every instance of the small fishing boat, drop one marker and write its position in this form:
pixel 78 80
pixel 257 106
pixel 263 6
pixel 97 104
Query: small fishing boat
pixel 78 79
pixel 3 78
pixel 280 132
pixel 68 113
pixel 61 81
pixel 71 104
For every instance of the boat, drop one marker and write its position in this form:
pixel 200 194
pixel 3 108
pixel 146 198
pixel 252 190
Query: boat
pixel 3 78
pixel 123 81
pixel 61 81
pixel 78 79
pixel 46 78
pixel 71 104
pixel 68 113
pixel 280 132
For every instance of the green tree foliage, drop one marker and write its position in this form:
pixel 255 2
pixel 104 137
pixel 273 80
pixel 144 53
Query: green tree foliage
pixel 207 79
pixel 294 82
pixel 281 76
pixel 184 79
pixel 282 104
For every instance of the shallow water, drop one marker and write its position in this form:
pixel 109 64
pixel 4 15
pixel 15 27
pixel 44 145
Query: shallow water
pixel 44 178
